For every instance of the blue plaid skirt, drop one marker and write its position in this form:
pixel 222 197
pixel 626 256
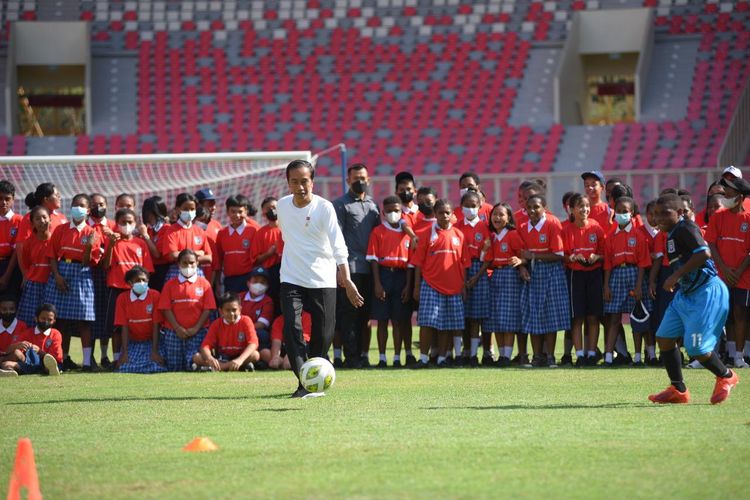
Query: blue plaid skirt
pixel 99 276
pixel 621 282
pixel 438 311
pixel 32 296
pixel 178 353
pixel 139 359
pixel 78 302
pixel 478 299
pixel 505 301
pixel 545 305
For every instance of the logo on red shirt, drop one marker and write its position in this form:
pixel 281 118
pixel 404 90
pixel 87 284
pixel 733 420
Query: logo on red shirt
pixel 198 240
pixel 631 242
pixel 456 241
pixel 13 231
pixel 504 247
pixel 542 238
pixel 245 244
pixel 592 238
pixel 744 227
pixel 48 343
pixel 478 236
pixel 139 252
pixel 241 336
pixel 199 291
pixel 150 308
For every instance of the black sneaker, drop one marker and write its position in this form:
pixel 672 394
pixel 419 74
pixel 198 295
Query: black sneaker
pixel 249 367
pixel 566 360
pixel 410 360
pixel 420 365
pixel 337 363
pixel 609 364
pixel 539 361
pixel 592 360
pixel 580 362
pixel 88 369
pixel 300 392
pixel 396 363
pixel 654 362
pixel 261 365
pixel 68 364
pixel 502 362
pixel 364 362
pixel 445 363
pixel 639 364
pixel 382 364
pixel 622 359
pixel 106 364
pixel 473 362
pixel 551 363
pixel 488 361
pixel 523 361
pixel 460 362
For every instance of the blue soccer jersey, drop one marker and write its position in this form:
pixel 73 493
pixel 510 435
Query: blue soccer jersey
pixel 683 241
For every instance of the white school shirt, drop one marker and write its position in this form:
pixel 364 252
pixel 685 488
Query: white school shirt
pixel 313 243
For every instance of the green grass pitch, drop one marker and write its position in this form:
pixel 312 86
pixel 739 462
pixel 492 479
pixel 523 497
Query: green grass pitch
pixel 456 433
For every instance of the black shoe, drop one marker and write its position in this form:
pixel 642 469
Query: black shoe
pixel 261 365
pixel 364 362
pixel 397 363
pixel 445 364
pixel 352 364
pixel 539 361
pixel 551 362
pixel 337 363
pixel 249 367
pixel 68 364
pixel 566 360
pixel 420 365
pixel 580 362
pixel 88 369
pixel 488 361
pixel 473 362
pixel 610 364
pixel 106 364
pixel 622 359
pixel 503 362
pixel 592 360
pixel 460 362
pixel 410 360
pixel 382 364
pixel 639 364
pixel 433 360
pixel 654 362
pixel 301 391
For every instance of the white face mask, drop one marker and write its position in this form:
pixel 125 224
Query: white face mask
pixel 188 271
pixel 258 288
pixel 728 203
pixel 127 229
pixel 393 217
pixel 470 213
pixel 187 216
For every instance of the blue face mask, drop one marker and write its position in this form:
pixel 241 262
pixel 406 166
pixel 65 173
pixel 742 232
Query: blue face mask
pixel 622 219
pixel 78 213
pixel 140 288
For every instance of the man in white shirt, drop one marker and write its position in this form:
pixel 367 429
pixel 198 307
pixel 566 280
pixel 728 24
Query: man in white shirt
pixel 314 249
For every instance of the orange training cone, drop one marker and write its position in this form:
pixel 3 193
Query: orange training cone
pixel 24 473
pixel 200 444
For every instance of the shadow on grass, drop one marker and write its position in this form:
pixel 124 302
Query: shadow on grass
pixel 155 398
pixel 546 407
pixel 278 410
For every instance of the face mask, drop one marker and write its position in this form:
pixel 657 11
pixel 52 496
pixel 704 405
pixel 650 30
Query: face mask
pixel 729 203
pixel 98 212
pixel 427 209
pixel 77 213
pixel 393 217
pixel 7 317
pixel 622 219
pixel 140 288
pixel 127 229
pixel 258 288
pixel 43 325
pixel 470 213
pixel 187 216
pixel 272 215
pixel 359 187
pixel 188 271
pixel 406 197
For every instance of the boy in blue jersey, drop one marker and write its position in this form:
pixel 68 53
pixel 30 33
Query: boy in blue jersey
pixel 699 309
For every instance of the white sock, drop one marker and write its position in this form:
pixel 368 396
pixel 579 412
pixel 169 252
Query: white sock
pixel 579 354
pixel 508 351
pixel 592 354
pixel 457 345
pixel 637 358
pixel 732 348
pixel 474 346
pixel 424 358
pixel 396 357
pixel 608 357
pixel 441 359
pixel 116 356
pixel 336 353
pixel 651 350
pixel 382 357
pixel 86 356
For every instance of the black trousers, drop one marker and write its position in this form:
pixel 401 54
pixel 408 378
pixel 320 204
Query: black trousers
pixel 350 321
pixel 321 304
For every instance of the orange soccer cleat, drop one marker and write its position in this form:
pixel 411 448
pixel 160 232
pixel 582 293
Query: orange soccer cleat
pixel 723 387
pixel 670 395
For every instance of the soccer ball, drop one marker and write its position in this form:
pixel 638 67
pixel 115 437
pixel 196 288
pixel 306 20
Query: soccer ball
pixel 317 375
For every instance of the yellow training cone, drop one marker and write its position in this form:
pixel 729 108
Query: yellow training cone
pixel 200 444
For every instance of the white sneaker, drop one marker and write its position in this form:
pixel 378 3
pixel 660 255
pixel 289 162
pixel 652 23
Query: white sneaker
pixel 8 373
pixel 310 395
pixel 739 362
pixel 50 363
pixel 695 364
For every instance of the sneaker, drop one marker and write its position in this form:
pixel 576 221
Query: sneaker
pixel 50 363
pixel 654 362
pixel 566 360
pixel 639 364
pixel 539 361
pixel 522 360
pixel 446 363
pixel 249 367
pixel 473 362
pixel 420 365
pixel 397 363
pixel 364 362
pixel 503 362
pixel 580 362
pixel 723 387
pixel 410 360
pixel 8 373
pixel 337 363
pixel 89 369
pixel 261 365
pixel 461 361
pixel 488 360
pixel 300 393
pixel 106 364
pixel 69 364
pixel 382 364
pixel 622 359
pixel 551 363
pixel 695 364
pixel 739 362
pixel 672 396
pixel 311 395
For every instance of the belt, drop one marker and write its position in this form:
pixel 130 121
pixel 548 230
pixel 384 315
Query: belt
pixel 626 265
pixel 502 267
pixel 392 269
pixel 71 261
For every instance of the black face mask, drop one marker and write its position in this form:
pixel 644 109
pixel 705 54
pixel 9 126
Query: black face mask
pixel 43 325
pixel 359 187
pixel 98 212
pixel 7 317
pixel 427 209
pixel 272 215
pixel 406 197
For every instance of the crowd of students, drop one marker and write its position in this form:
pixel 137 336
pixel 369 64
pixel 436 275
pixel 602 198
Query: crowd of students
pixel 175 291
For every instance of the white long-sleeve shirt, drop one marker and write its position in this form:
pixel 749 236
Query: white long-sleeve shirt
pixel 313 243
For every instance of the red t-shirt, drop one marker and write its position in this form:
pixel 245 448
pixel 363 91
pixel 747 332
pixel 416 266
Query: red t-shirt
pixel 8 234
pixel 730 233
pixel 156 237
pixel 505 245
pixel 138 315
pixel 6 334
pixel 99 226
pixel 484 213
pixel 586 240
pixel 49 342
pixel 277 328
pixel 601 214
pixel 547 239
pixel 521 218
pixel 180 238
pixel 25 227
pixel 262 241
pixel 626 247
pixel 35 259
pixel 67 243
pixel 442 258
pixel 660 247
pixel 389 247
pixel 127 254
pixel 233 252
pixel 409 216
pixel 252 223
pixel 261 309
pixel 474 236
pixel 212 230
pixel 230 340
pixel 186 299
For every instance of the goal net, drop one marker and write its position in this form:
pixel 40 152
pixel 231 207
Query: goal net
pixel 255 175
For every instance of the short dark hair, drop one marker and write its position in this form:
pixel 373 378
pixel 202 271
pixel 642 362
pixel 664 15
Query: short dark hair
pixel 536 188
pixel 671 201
pixel 226 298
pixel 470 194
pixel 295 164
pixel 123 212
pixel 442 202
pixel 46 307
pixel 356 166
pixel 154 206
pixel 81 197
pixel 6 187
pixel 426 190
pixel 234 201
pixel 268 199
pixel 8 298
pixel 402 177
pixel 251 210
pixel 184 198
pixel 687 199
pixel 467 175
pixel 391 200
pixel 134 272
pixel 542 199
pixel 125 195
pixel 187 251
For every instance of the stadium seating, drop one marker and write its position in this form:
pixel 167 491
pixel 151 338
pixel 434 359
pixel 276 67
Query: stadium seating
pixel 406 84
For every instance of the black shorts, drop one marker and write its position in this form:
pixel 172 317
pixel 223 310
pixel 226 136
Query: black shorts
pixel 738 298
pixel 586 289
pixel 393 282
